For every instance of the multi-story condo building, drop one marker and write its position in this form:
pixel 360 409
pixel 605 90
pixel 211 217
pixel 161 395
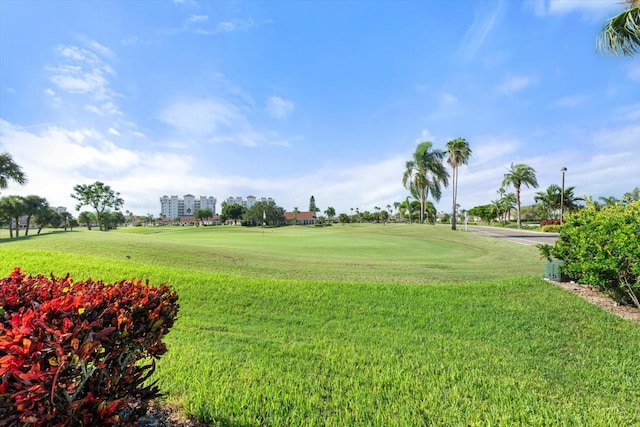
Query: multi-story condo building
pixel 174 207
pixel 248 201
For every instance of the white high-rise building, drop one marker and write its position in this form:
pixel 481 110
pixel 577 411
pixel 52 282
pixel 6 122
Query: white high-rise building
pixel 174 207
pixel 248 201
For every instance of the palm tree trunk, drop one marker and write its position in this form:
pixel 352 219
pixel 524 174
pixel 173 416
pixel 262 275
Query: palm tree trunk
pixel 518 204
pixel 455 197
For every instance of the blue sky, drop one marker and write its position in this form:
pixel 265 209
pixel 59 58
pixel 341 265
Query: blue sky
pixel 288 99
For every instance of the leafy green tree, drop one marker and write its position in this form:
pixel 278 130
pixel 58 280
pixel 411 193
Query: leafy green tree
pixel 99 196
pixel 9 170
pixel 87 218
pixel 621 34
pixel 425 173
pixel 11 209
pixel 266 212
pixel 232 211
pixel 343 218
pixel 519 175
pixel 33 204
pixel 458 154
pixel 484 212
pixel 203 214
pixel 118 218
pixel 46 217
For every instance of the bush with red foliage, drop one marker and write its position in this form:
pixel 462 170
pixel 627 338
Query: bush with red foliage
pixel 544 222
pixel 73 353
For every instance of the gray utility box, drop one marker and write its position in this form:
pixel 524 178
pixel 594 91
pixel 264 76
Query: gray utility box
pixel 552 271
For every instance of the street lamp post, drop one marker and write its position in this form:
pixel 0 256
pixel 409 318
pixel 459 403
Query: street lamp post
pixel 563 170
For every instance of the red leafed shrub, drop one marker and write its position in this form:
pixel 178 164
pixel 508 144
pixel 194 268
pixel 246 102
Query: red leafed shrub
pixel 78 353
pixel 544 222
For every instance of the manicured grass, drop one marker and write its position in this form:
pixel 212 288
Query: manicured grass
pixel 353 346
pixel 372 253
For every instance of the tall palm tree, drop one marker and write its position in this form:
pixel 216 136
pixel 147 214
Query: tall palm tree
pixel 622 33
pixel 425 174
pixel 459 153
pixel 517 176
pixel 9 170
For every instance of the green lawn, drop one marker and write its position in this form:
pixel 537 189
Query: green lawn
pixel 363 325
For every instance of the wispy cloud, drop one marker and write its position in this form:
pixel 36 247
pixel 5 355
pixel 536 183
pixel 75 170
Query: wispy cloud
pixel 570 101
pixel 82 71
pixel 514 84
pixel 279 108
pixel 219 121
pixel 483 24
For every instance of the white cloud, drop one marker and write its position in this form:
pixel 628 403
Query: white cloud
pixel 514 84
pixel 235 25
pixel 198 18
pixel 425 135
pixel 563 7
pixel 81 72
pixel 279 108
pixel 203 117
pixel 113 131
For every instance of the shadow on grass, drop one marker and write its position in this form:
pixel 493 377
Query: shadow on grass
pixel 33 234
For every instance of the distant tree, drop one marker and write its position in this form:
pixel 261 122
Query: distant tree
pixel 203 214
pixel 484 212
pixel 66 220
pixel 330 212
pixel 520 174
pixel 46 217
pixel 384 216
pixel 11 209
pixel 343 218
pixel 609 201
pixel 86 218
pixel 99 196
pixel 118 218
pixel 232 211
pixel 295 215
pixel 631 196
pixel 458 154
pixel 9 170
pixel 265 212
pixel 621 34
pixel 33 204
pixel 549 199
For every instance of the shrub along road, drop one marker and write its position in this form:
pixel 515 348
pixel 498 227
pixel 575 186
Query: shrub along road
pixel 523 237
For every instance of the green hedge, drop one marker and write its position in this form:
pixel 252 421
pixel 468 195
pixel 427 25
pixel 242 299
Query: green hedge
pixel 601 247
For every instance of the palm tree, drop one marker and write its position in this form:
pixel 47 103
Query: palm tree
pixel 517 176
pixel 330 212
pixel 425 174
pixel 622 33
pixel 295 213
pixel 9 170
pixel 609 201
pixel 459 153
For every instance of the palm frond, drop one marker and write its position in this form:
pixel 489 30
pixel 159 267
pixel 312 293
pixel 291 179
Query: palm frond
pixel 621 35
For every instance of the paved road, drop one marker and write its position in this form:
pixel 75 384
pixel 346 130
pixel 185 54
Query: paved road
pixel 523 237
